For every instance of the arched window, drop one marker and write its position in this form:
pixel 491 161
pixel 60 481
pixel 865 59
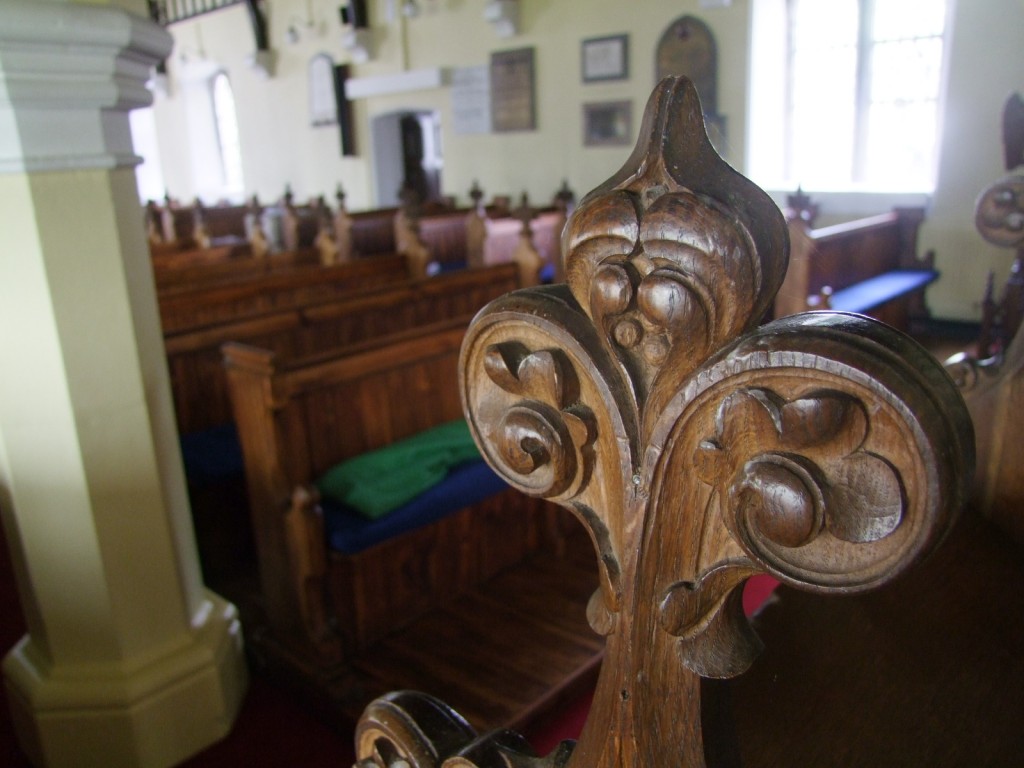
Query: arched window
pixel 229 147
pixel 845 94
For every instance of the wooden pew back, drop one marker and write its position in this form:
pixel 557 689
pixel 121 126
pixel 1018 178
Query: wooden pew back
pixel 373 231
pixel 194 356
pixel 183 307
pixel 296 418
pixel 225 222
pixel 828 260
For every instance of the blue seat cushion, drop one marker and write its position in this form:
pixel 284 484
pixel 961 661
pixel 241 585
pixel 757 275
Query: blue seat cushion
pixel 212 455
pixel 350 532
pixel 875 291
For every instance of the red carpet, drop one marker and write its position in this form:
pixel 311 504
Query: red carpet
pixel 273 729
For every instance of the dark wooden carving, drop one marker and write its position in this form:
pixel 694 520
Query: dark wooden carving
pixel 698 449
pixel 992 377
pixel 999 218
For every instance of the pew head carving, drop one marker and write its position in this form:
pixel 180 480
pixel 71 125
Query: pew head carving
pixel 476 194
pixel 697 448
pixel 800 207
pixel 564 197
pixel 476 228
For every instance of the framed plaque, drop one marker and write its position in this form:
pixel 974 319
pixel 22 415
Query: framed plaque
pixel 608 123
pixel 512 97
pixel 605 58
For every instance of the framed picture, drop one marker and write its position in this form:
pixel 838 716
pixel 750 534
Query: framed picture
pixel 608 123
pixel 512 98
pixel 605 58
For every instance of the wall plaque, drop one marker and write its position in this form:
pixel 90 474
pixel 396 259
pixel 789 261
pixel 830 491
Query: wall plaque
pixel 687 47
pixel 471 100
pixel 512 99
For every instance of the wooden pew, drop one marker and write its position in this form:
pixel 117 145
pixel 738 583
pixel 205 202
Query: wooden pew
pixel 327 615
pixel 182 307
pixel 204 226
pixel 373 231
pixel 199 386
pixel 300 224
pixel 310 235
pixel 698 450
pixel 868 266
pixel 222 224
pixel 529 238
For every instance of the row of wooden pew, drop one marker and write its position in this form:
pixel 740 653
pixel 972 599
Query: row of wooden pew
pixel 869 265
pixel 290 366
pixel 278 375
pixel 432 238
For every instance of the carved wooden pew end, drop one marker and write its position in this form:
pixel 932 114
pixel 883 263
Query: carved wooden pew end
pixel 825 449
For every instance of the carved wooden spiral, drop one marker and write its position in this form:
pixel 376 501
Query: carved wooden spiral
pixel 699 449
pixel 999 212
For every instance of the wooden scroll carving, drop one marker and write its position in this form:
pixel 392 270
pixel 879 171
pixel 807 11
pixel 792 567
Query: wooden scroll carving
pixel 697 448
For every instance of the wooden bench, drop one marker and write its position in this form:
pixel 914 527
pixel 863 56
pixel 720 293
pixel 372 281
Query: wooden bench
pixel 194 358
pixel 204 226
pixel 868 266
pixel 537 233
pixel 182 307
pixel 698 450
pixel 326 614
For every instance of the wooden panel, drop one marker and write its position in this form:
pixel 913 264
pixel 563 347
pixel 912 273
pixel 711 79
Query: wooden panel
pixel 184 308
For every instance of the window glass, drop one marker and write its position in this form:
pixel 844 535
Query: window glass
pixel 901 19
pixel 227 134
pixel 860 84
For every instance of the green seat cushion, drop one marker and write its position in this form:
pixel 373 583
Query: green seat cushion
pixel 382 480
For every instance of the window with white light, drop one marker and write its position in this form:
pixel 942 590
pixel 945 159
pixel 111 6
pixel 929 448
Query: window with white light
pixel 845 94
pixel 227 135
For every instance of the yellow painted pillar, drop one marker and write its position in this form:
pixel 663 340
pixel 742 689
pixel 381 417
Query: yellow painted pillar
pixel 128 660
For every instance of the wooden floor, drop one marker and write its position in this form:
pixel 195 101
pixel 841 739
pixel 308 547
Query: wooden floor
pixel 503 654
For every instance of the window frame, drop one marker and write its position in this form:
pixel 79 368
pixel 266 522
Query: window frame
pixel 769 124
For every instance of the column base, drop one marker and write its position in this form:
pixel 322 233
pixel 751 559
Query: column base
pixel 155 713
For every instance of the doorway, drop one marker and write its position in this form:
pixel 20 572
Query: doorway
pixel 407 152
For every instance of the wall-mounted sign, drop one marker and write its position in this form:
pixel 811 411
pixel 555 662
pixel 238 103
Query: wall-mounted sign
pixel 512 99
pixel 471 100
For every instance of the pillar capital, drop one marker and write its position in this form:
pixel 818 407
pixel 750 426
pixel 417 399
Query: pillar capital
pixel 69 74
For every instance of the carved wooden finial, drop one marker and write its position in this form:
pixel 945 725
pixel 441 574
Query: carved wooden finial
pixel 565 198
pixel 826 449
pixel 476 228
pixel 200 234
pixel 999 217
pixel 525 254
pixel 800 207
pixel 476 195
pixel 524 213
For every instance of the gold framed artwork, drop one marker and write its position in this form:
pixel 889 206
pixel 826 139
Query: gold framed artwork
pixel 608 123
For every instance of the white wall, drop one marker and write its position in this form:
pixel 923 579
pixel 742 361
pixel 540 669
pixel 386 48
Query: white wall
pixel 281 147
